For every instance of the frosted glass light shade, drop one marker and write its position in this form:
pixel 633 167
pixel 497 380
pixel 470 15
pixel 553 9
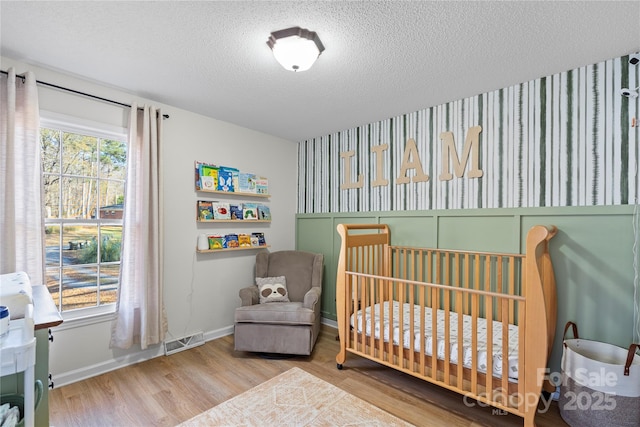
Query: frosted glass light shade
pixel 296 49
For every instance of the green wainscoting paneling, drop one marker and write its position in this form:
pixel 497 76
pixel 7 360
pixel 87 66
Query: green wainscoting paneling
pixel 492 233
pixel 592 255
pixel 314 235
pixel 411 230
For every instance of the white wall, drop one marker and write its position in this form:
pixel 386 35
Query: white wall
pixel 201 290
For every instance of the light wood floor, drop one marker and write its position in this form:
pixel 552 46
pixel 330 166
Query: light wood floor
pixel 168 390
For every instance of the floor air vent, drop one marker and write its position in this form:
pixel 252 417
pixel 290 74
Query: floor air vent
pixel 185 343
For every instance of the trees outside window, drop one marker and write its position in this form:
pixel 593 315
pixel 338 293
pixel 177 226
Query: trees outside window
pixel 84 180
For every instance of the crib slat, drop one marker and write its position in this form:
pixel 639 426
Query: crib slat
pixel 474 342
pixel 504 303
pixel 499 284
pixel 434 331
pixel 361 303
pixel 411 332
pixel 370 298
pixel 428 276
pixel 350 310
pixel 459 375
pixel 489 324
pixel 447 336
pixel 512 289
pixel 423 343
pixel 390 348
pixel 438 271
pixel 381 350
pixel 401 300
pixel 467 284
pixel 521 351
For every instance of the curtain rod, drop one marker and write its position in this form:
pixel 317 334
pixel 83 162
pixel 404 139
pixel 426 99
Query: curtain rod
pixel 77 92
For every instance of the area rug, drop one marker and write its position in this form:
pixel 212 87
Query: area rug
pixel 295 398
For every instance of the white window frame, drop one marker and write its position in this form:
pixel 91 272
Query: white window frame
pixel 49 119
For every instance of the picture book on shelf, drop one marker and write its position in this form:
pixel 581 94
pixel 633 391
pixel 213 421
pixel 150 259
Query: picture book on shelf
pixel 231 241
pixel 236 211
pixel 262 185
pixel 258 238
pixel 207 183
pixel 264 213
pixel 207 176
pixel 249 211
pixel 221 210
pixel 217 242
pixel 246 183
pixel 225 178
pixel 205 210
pixel 235 178
pixel 244 240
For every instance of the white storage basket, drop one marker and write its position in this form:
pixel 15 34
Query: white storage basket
pixel 600 383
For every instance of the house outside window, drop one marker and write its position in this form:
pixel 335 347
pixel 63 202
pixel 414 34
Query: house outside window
pixel 84 171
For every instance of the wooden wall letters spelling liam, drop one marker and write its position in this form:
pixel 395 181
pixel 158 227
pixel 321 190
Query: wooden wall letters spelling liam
pixel 411 161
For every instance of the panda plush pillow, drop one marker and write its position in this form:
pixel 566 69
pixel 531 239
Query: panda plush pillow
pixel 272 289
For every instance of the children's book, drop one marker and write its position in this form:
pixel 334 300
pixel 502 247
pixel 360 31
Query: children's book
pixel 246 183
pixel 207 183
pixel 221 210
pixel 259 238
pixel 235 178
pixel 231 241
pixel 249 210
pixel 225 178
pixel 264 213
pixel 217 242
pixel 236 211
pixel 244 240
pixel 262 185
pixel 205 210
pixel 207 176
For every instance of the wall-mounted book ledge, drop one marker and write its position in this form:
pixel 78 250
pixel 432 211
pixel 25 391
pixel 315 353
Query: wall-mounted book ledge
pixel 235 221
pixel 235 193
pixel 232 249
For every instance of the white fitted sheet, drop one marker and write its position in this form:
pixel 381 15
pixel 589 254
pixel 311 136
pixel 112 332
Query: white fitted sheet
pixel 453 330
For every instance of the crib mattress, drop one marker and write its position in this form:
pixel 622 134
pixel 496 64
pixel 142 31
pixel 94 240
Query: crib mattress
pixel 357 321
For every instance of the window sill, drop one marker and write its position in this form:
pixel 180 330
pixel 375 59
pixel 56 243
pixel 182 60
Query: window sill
pixel 85 317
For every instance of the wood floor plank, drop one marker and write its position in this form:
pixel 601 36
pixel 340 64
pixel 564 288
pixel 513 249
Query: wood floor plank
pixel 168 390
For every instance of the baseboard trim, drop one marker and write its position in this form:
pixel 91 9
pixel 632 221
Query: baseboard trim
pixel 66 378
pixel 70 377
pixel 329 322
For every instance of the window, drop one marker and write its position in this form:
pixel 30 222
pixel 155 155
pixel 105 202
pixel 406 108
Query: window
pixel 84 169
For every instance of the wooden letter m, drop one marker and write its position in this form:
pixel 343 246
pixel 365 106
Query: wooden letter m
pixel 450 155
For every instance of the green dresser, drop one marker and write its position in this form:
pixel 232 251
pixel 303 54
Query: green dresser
pixel 45 316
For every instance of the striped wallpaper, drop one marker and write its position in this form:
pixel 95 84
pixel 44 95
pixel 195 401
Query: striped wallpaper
pixel 561 140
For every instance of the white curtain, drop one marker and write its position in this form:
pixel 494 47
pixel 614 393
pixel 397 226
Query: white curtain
pixel 140 315
pixel 21 207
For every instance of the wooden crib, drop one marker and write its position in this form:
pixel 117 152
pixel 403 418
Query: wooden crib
pixel 501 307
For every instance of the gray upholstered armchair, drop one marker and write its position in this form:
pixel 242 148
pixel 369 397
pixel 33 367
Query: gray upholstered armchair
pixel 282 327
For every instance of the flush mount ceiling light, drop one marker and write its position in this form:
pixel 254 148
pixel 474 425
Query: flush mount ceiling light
pixel 296 49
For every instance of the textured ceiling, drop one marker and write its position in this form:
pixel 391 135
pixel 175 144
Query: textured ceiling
pixel 382 58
